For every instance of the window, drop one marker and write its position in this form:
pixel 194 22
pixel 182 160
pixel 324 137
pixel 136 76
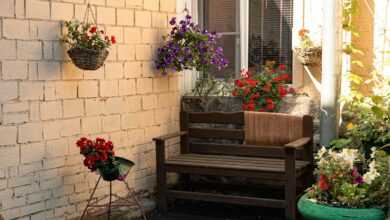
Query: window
pixel 269 31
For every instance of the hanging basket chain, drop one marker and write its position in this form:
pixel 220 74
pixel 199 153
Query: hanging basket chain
pixel 89 11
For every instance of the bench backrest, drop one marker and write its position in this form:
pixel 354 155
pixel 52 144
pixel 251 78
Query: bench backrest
pixel 223 133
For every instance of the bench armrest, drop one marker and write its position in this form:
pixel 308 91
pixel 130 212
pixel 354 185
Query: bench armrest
pixel 298 144
pixel 169 136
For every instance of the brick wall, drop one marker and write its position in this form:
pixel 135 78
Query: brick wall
pixel 47 103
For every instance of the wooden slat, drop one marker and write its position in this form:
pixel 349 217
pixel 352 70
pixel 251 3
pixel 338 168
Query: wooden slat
pixel 217 117
pixel 240 150
pixel 230 199
pixel 222 133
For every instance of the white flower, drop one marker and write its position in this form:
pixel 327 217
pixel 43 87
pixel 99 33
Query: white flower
pixel 371 174
pixel 349 155
pixel 373 151
pixel 321 152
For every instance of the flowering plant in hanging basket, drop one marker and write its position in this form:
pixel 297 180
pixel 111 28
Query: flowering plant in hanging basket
pixel 88 44
pixel 100 156
pixel 307 52
pixel 188 47
pixel 263 91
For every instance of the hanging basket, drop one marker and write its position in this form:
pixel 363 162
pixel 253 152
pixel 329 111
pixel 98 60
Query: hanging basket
pixel 88 59
pixel 309 56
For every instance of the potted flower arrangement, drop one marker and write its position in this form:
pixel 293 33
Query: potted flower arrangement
pixel 263 91
pixel 307 52
pixel 188 47
pixel 100 156
pixel 346 190
pixel 88 44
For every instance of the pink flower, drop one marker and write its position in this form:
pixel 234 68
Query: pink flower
pixel 244 73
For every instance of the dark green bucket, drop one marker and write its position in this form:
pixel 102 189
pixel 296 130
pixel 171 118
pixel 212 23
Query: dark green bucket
pixel 313 211
pixel 118 172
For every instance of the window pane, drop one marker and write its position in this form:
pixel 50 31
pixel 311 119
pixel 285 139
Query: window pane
pixel 220 15
pixel 270 34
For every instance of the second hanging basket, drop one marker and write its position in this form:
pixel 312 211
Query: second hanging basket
pixel 88 59
pixel 309 56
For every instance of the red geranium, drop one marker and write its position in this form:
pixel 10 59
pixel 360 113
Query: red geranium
pixel 263 91
pixel 113 40
pixel 97 153
pixel 93 29
pixel 323 183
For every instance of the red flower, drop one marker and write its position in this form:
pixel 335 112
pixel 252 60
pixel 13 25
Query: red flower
pixel 252 82
pixel 113 40
pixel 234 93
pixel 282 67
pixel 282 91
pixel 323 183
pixel 270 104
pixel 246 91
pixel 255 96
pixel 267 87
pixel 251 106
pixel 238 83
pixel 93 29
pixel 291 90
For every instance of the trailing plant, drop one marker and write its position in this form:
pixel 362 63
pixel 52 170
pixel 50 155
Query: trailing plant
pixel 188 47
pixel 343 182
pixel 305 40
pixel 87 36
pixel 263 91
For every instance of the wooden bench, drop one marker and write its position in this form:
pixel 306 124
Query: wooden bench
pixel 289 165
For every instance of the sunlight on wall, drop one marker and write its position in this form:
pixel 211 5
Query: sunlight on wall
pixel 382 36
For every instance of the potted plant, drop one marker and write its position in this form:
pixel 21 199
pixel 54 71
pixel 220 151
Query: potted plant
pixel 99 156
pixel 263 91
pixel 344 189
pixel 307 52
pixel 88 44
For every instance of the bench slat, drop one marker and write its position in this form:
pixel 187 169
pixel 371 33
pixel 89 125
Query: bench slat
pixel 230 199
pixel 221 133
pixel 217 117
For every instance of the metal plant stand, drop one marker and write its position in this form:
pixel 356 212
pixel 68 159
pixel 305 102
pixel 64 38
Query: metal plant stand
pixel 128 201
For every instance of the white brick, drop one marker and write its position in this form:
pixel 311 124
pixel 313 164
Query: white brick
pixel 29 50
pixel 134 3
pixel 57 148
pixel 160 84
pixel 109 88
pixel 66 89
pixel 8 91
pixel 36 207
pixel 168 5
pixel 125 17
pixel 127 87
pixel 34 111
pixel 111 123
pixel 149 102
pixel 8 135
pixel 15 29
pixel 51 110
pixel 49 70
pixel 94 106
pixel 51 130
pixel 150 36
pixel 115 105
pixel 143 19
pixel 50 91
pixel 116 3
pixel 32 152
pixel 88 89
pixel 46 30
pixel 143 52
pixel 106 15
pixel 61 11
pixel 37 9
pixel 132 35
pixel 133 69
pixel 80 11
pixel 70 71
pixel 16 107
pixel 70 127
pixel 14 70
pixel 151 5
pixel 12 157
pixel 47 50
pixel 145 118
pixel 159 20
pixel 113 70
pixel 31 91
pixel 30 132
pixel 73 108
pixel 91 125
pixel 19 8
pixel 129 120
pixel 134 103
pixel 7 8
pixel 15 118
pixel 8 49
pixel 126 52
pixel 144 85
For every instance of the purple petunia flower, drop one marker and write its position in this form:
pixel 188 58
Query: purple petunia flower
pixel 172 21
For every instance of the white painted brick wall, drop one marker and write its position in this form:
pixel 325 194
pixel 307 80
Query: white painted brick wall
pixel 46 103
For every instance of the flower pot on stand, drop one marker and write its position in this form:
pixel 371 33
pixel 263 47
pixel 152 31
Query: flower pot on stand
pixel 109 173
pixel 314 211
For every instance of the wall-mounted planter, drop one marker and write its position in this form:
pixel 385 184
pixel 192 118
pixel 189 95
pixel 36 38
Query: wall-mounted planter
pixel 88 59
pixel 309 56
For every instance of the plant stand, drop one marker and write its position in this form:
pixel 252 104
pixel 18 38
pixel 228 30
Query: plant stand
pixel 128 201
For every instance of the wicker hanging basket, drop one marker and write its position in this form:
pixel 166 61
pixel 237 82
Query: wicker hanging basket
pixel 88 59
pixel 85 58
pixel 309 56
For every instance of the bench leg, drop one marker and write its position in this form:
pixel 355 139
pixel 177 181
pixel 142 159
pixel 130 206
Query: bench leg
pixel 290 194
pixel 162 205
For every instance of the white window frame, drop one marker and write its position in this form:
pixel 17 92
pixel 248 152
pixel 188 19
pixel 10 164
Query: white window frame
pixel 193 6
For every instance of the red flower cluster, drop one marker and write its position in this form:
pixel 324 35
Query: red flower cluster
pixel 263 91
pixel 323 183
pixel 96 153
